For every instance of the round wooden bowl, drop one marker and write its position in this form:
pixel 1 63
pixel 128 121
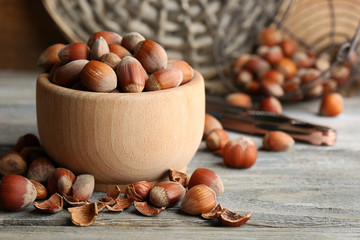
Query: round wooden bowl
pixel 121 138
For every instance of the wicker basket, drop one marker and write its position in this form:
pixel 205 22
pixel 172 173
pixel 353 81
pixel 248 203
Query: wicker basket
pixel 186 28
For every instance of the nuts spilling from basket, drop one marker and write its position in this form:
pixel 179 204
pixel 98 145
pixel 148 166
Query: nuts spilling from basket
pixel 281 69
pixel 195 195
pixel 111 63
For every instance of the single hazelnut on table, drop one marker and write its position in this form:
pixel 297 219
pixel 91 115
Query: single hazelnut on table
pixel 166 194
pixel 98 77
pixel 240 153
pixel 83 186
pixel 27 140
pixel 151 55
pixel 138 191
pixel 12 163
pixel 16 192
pixel 217 139
pixel 332 104
pixel 271 104
pixel 277 141
pixel 61 181
pixel 110 38
pixel 239 99
pixel 49 56
pixel 198 200
pixel 73 51
pixel 207 177
pixel 40 169
pixel 211 123
pixel 131 75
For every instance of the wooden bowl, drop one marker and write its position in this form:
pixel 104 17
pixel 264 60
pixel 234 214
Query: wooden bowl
pixel 121 138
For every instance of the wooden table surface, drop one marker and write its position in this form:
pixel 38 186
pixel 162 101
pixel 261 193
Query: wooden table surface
pixel 307 192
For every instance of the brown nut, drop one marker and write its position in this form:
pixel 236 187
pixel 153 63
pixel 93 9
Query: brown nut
pixel 277 141
pixel 16 192
pixel 164 79
pixel 239 99
pixel 332 104
pixel 275 76
pixel 211 123
pixel 198 200
pixel 243 77
pixel 166 194
pixel 83 186
pixel 262 51
pixel 131 39
pixel 217 139
pixel 302 60
pixel 240 62
pixel 269 37
pixel 289 47
pixel 131 75
pixel 274 55
pixel 54 69
pixel 32 153
pixel 287 67
pixel 270 88
pixel 98 77
pixel 110 38
pixel 61 181
pixel 257 66
pixel 12 163
pixel 40 169
pixel 240 153
pixel 49 56
pixel 151 55
pixel 271 104
pixel 28 140
pixel 120 51
pixel 110 59
pixel 73 51
pixel 69 73
pixel 138 191
pixel 41 192
pixel 99 48
pixel 184 67
pixel 207 177
pixel 180 177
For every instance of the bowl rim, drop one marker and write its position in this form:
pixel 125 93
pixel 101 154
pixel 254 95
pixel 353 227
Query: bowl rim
pixel 43 79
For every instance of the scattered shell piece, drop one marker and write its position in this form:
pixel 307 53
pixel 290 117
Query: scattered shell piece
pixel 111 195
pixel 53 205
pixel 84 215
pixel 73 201
pixel 146 209
pixel 101 206
pixel 121 204
pixel 213 213
pixel 180 177
pixel 232 219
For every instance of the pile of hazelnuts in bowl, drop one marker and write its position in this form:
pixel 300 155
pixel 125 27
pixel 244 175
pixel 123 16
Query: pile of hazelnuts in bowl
pixel 281 68
pixel 109 62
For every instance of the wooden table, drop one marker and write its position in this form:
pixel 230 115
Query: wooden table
pixel 308 192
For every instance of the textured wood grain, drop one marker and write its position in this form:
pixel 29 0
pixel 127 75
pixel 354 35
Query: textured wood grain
pixel 308 192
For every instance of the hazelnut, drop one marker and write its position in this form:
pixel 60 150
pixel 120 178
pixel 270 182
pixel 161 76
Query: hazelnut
pixel 275 76
pixel 207 177
pixel 271 88
pixel 54 69
pixel 41 192
pixel 287 67
pixel 310 75
pixel 289 47
pixel 269 37
pixel 98 77
pixel 12 163
pixel 120 51
pixel 131 39
pixel 138 191
pixel 341 74
pixel 164 79
pixel 151 55
pixel 240 153
pixel 322 63
pixel 69 73
pixel 28 140
pixel 49 56
pixel 262 51
pixel 110 38
pixel 217 139
pixel 198 200
pixel 166 194
pixel 73 51
pixel 253 88
pixel 184 67
pixel 16 192
pixel 257 65
pixel 61 181
pixel 40 169
pixel 274 55
pixel 329 86
pixel 302 60
pixel 332 104
pixel 110 59
pixel 277 141
pixel 131 75
pixel 240 62
pixel 211 123
pixel 271 104
pixel 83 186
pixel 32 153
pixel 243 77
pixel 99 48
pixel 239 99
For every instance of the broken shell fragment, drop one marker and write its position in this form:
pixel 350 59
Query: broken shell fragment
pixel 53 205
pixel 111 196
pixel 73 201
pixel 180 177
pixel 213 213
pixel 147 210
pixel 232 219
pixel 121 204
pixel 84 215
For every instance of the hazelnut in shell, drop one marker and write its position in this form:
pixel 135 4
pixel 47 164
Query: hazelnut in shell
pixel 240 153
